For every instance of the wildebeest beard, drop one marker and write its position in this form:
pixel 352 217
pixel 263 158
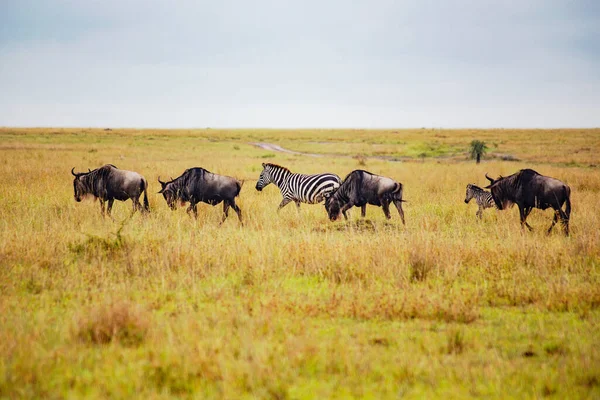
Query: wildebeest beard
pixel 173 195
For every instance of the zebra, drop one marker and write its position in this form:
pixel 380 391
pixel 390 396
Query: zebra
pixel 482 197
pixel 299 188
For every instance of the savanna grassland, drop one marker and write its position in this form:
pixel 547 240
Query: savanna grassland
pixel 292 305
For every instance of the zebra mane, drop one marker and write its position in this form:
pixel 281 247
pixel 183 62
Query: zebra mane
pixel 277 166
pixel 477 188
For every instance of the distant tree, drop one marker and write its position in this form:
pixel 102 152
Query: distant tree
pixel 478 148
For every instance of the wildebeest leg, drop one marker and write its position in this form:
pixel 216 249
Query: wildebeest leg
pixel 238 211
pixel 101 206
pixel 363 211
pixel 344 209
pixel 554 220
pixel 136 205
pixel 283 203
pixel 564 219
pixel 398 204
pixel 527 212
pixel 193 208
pixel 385 205
pixel 523 213
pixel 225 211
pixel 110 204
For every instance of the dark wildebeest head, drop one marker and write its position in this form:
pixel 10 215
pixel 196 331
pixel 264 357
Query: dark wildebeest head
pixel 503 190
pixel 80 188
pixel 169 192
pixel 333 206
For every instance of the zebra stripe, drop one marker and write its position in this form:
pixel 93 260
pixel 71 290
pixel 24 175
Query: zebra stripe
pixel 483 198
pixel 299 188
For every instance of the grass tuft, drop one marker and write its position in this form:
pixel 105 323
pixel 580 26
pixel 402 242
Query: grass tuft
pixel 118 322
pixel 420 265
pixel 456 343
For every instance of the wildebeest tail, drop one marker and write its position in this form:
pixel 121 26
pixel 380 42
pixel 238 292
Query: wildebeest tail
pixel 396 193
pixel 144 187
pixel 239 185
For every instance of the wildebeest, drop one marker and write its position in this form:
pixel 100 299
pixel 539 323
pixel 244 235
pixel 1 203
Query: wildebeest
pixel 529 190
pixel 108 183
pixel 199 185
pixel 482 197
pixel 360 188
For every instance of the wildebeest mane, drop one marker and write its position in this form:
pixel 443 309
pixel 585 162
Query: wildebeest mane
pixel 357 172
pixel 506 187
pixel 176 185
pixel 95 180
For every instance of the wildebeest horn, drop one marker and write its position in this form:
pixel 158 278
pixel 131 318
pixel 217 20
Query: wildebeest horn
pixel 488 178
pixel 161 182
pixel 76 174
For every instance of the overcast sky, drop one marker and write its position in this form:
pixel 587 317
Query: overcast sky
pixel 220 63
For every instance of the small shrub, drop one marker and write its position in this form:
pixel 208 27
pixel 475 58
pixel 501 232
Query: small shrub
pixel 96 245
pixel 34 287
pixel 362 160
pixel 119 322
pixel 555 349
pixel 171 376
pixel 456 342
pixel 591 380
pixel 529 353
pixel 420 266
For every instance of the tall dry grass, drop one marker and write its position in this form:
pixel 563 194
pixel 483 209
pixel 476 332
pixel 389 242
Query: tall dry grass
pixel 291 305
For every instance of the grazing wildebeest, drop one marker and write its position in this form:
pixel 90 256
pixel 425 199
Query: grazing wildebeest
pixel 529 190
pixel 199 185
pixel 108 183
pixel 360 188
pixel 482 197
pixel 299 188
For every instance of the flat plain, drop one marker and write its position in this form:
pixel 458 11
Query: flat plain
pixel 292 305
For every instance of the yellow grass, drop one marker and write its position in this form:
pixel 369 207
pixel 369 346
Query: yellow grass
pixel 292 305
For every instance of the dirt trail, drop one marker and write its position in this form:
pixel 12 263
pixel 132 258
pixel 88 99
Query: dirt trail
pixel 276 147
